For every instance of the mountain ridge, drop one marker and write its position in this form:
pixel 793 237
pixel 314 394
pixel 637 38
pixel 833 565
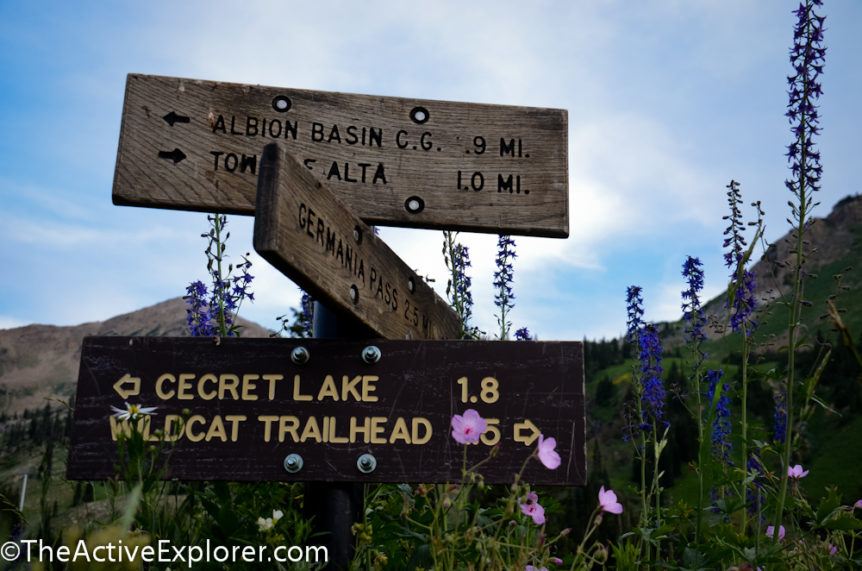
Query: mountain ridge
pixel 41 361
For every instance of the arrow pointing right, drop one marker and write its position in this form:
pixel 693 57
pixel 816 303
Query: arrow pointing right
pixel 128 386
pixel 526 425
pixel 176 155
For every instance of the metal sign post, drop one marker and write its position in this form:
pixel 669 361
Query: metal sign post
pixel 335 506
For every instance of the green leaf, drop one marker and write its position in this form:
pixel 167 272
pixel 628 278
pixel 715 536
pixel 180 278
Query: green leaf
pixel 843 521
pixel 828 506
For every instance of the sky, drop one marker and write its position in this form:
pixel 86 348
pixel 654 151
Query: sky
pixel 667 100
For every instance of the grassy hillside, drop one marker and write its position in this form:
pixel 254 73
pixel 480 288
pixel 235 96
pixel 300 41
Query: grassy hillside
pixel 834 421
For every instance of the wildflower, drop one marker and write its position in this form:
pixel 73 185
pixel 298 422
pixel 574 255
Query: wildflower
pixel 858 505
pixel 770 531
pixel 265 524
pixel 744 304
pixel 692 271
pixel 212 312
pixel 608 501
pixel 754 497
pixel 199 315
pixel 457 257
pixel 307 305
pixel 523 334
pixel 804 89
pixel 721 422
pixel 133 411
pixel 546 453
pixel 534 568
pixel 533 509
pixel 779 418
pixel 634 310
pixel 468 428
pixel 503 277
pixel 734 231
pixel 556 561
pixel 741 300
pixel 833 549
pixel 796 472
pixel 653 396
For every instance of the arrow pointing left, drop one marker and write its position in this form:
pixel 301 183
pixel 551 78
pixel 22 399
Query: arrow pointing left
pixel 128 386
pixel 176 155
pixel 172 118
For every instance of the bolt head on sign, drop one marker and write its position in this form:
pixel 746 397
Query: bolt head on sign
pixel 195 145
pixel 256 414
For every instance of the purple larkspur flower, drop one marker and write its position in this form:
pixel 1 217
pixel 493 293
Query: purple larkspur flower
pixel 634 313
pixel 742 303
pixel 692 271
pixel 721 444
pixel 523 334
pixel 804 89
pixel 779 417
pixel 503 277
pixel 212 312
pixel 653 396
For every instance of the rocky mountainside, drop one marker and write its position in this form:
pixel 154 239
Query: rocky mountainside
pixel 41 361
pixel 834 246
pixel 830 239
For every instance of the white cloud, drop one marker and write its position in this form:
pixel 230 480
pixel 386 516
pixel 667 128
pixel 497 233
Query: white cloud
pixel 7 322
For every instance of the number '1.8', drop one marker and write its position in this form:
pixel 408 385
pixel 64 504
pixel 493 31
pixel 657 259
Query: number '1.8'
pixel 489 390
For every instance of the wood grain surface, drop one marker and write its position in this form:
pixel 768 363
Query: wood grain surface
pixel 196 145
pixel 302 229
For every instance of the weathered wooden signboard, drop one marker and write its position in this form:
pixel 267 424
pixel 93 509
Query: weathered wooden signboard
pixel 302 229
pixel 332 410
pixel 196 145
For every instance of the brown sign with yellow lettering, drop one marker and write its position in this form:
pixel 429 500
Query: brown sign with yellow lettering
pixel 330 410
pixel 195 145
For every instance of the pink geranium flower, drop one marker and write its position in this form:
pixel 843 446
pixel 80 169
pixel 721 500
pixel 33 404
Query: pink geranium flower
pixel 547 454
pixel 608 501
pixel 468 428
pixel 770 531
pixel 858 504
pixel 533 509
pixel 796 472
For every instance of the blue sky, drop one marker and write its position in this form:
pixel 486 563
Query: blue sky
pixel 667 101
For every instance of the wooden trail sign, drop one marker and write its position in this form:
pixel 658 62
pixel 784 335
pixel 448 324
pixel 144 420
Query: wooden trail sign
pixel 302 229
pixel 256 412
pixel 195 145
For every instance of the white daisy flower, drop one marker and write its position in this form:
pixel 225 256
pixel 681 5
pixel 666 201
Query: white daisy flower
pixel 133 411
